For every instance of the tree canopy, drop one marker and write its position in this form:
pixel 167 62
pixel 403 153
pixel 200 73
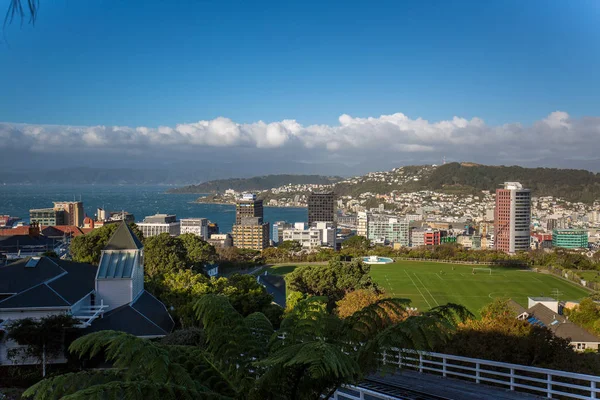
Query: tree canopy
pixel 88 248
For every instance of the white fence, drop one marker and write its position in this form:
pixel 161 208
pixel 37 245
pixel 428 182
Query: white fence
pixel 538 381
pixel 350 392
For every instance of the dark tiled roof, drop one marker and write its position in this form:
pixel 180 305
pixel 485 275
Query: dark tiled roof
pixel 15 277
pixel 69 280
pixel 38 296
pixel 10 243
pixel 154 310
pixel 79 281
pixel 275 286
pixel 124 239
pixel 134 320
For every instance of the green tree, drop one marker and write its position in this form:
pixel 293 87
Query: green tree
pixel 43 338
pixel 312 354
pixel 198 251
pixel 88 248
pixel 359 243
pixel 333 280
pixel 164 253
pixel 290 246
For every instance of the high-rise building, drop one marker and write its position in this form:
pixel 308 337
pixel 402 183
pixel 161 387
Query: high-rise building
pixel 362 224
pixel 388 230
pixel 321 207
pixel 249 231
pixel 570 238
pixel 197 226
pixel 47 216
pixel 512 218
pixel 160 223
pixel 248 207
pixel 74 213
pixel 251 234
pixel 278 228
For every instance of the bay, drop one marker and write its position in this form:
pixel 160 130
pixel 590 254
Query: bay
pixel 141 200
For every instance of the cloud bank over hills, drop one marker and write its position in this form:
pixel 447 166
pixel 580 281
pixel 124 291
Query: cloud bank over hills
pixel 557 140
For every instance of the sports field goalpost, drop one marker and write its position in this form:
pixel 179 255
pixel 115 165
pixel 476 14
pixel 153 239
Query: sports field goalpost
pixel 488 270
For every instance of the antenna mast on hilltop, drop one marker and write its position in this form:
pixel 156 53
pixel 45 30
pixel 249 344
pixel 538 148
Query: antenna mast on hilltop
pixel 444 160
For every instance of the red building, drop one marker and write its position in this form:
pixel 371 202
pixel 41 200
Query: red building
pixel 432 238
pixel 512 218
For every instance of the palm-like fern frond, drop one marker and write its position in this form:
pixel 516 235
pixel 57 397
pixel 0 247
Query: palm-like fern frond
pixel 63 385
pixel 366 323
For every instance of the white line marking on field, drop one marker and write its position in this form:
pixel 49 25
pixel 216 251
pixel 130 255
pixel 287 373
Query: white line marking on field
pixel 425 287
pixel 415 285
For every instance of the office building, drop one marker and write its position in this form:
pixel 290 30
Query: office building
pixel 321 207
pixel 249 231
pixel 47 216
pixel 277 230
pixel 512 218
pixel 213 228
pixel 74 213
pixel 197 226
pixel 309 238
pixel 570 238
pixel 362 224
pixel 388 230
pixel 251 235
pixel 160 223
pixel 328 233
pixel 248 207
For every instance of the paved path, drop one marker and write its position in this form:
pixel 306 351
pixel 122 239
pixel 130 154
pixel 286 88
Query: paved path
pixel 437 387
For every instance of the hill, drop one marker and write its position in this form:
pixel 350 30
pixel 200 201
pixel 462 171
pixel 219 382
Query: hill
pixel 256 183
pixel 464 178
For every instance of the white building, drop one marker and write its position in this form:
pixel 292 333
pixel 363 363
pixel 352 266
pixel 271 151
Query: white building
pixel 328 231
pixel 308 238
pixel 362 224
pixel 160 223
pixel 197 226
pixel 388 230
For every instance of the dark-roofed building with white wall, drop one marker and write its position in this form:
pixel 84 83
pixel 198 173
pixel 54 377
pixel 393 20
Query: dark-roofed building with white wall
pixel 110 296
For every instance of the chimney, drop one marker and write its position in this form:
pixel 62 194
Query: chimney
pixel 34 229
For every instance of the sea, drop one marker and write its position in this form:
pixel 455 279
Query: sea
pixel 140 200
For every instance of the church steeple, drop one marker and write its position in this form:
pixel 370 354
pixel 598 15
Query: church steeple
pixel 124 239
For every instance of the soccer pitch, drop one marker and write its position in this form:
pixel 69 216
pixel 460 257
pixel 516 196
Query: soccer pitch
pixel 429 284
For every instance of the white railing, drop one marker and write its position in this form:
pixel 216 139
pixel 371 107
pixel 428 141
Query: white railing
pixel 349 392
pixel 539 381
pixel 88 314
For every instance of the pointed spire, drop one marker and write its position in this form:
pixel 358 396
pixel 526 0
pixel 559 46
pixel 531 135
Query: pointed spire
pixel 124 239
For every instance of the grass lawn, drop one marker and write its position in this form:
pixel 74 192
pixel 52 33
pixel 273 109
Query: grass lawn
pixel 590 276
pixel 429 284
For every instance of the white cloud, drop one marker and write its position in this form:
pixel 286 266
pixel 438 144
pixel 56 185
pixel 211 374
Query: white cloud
pixel 557 135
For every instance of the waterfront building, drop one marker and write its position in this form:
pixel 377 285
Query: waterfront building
pixel 160 223
pixel 321 207
pixel 512 218
pixel 248 206
pixel 47 216
pixel 197 226
pixel 570 238
pixel 74 213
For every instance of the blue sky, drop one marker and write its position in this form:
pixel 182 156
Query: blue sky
pixel 157 63
pixel 329 66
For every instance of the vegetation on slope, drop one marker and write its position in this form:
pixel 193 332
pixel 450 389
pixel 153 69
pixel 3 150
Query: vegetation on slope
pixel 256 183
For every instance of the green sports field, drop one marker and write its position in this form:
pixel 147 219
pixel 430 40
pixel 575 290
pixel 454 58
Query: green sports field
pixel 430 284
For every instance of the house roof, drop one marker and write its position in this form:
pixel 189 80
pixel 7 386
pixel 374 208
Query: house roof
pixel 275 286
pixel 124 239
pixel 542 299
pixel 516 307
pixel 48 231
pixel 40 286
pixel 38 296
pixel 15 242
pixel 146 316
pixel 559 324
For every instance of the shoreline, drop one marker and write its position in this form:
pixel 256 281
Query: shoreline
pixel 233 204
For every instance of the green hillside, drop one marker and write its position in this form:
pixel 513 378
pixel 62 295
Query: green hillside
pixel 256 183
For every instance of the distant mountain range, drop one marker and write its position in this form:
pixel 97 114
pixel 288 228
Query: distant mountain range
pixel 459 178
pixel 256 183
